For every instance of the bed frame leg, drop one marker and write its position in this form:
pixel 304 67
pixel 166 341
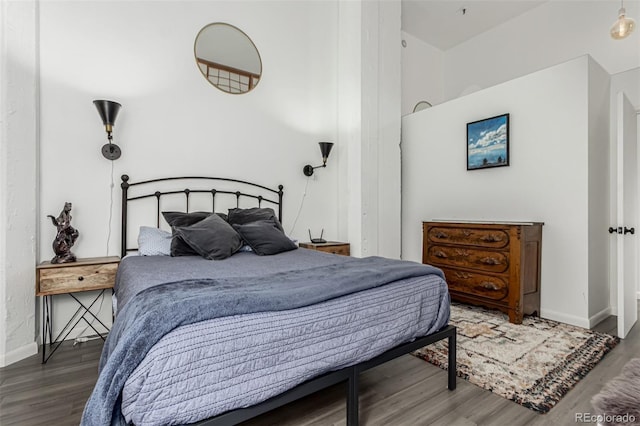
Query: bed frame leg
pixel 452 360
pixel 352 398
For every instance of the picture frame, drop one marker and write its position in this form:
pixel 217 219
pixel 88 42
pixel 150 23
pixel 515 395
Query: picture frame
pixel 488 143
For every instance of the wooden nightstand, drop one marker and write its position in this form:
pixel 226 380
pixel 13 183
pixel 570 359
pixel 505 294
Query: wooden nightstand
pixel 97 273
pixel 334 247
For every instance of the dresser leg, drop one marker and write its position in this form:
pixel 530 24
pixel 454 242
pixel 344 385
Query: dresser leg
pixel 515 316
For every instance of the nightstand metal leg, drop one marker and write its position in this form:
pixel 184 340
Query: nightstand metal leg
pixel 45 321
pixel 68 328
pixel 87 311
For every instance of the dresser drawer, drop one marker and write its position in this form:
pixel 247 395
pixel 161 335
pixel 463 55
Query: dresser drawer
pixel 76 278
pixel 466 257
pixel 490 238
pixel 487 286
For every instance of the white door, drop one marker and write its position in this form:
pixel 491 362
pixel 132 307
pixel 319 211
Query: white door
pixel 627 257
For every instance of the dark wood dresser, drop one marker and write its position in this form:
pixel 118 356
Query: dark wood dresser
pixel 496 265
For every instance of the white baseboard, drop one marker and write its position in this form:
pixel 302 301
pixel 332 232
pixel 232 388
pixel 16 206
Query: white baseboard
pixel 18 354
pixel 567 319
pixel 600 316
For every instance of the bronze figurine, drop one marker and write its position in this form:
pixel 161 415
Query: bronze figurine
pixel 66 236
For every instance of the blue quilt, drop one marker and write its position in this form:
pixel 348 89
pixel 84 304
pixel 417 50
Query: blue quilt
pixel 156 311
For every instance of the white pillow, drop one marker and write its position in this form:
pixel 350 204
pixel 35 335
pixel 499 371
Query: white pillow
pixel 154 242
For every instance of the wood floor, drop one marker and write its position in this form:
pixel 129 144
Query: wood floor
pixel 405 391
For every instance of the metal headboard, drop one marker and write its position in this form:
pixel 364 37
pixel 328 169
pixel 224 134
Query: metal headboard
pixel 125 185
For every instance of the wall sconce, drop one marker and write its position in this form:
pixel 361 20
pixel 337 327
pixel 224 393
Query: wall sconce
pixel 325 149
pixel 108 111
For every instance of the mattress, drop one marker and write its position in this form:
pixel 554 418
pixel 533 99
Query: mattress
pixel 200 370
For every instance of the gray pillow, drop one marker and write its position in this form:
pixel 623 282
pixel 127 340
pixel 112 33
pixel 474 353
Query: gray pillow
pixel 179 247
pixel 154 242
pixel 212 238
pixel 244 216
pixel 265 237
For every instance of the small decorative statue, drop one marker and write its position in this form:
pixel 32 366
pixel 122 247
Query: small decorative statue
pixel 66 236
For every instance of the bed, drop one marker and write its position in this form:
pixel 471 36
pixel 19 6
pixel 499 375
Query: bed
pixel 285 325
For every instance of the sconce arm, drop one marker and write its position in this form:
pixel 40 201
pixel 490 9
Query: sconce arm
pixel 308 169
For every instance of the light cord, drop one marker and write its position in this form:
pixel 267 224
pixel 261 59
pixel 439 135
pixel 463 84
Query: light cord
pixel 304 194
pixel 112 184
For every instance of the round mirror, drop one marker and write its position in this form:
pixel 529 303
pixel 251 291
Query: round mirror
pixel 421 105
pixel 227 58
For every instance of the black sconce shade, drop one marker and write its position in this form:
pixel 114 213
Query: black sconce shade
pixel 325 149
pixel 108 111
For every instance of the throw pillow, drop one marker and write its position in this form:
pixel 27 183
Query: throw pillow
pixel 244 216
pixel 178 246
pixel 154 242
pixel 265 237
pixel 212 238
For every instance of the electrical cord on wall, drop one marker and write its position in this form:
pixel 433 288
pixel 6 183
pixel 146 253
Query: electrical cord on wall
pixel 110 210
pixel 304 194
pixel 80 338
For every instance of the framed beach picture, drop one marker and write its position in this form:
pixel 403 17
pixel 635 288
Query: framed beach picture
pixel 488 143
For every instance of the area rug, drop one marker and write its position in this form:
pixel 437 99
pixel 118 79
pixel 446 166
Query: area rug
pixel 618 403
pixel 534 364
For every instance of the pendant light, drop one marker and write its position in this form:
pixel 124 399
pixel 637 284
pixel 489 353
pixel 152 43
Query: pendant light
pixel 623 26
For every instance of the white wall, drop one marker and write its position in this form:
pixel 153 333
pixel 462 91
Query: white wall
pixel 550 34
pixel 598 181
pixel 173 122
pixel 547 179
pixel 18 146
pixel 422 73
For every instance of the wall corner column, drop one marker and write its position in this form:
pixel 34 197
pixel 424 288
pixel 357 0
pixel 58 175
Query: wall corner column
pixel 369 120
pixel 18 178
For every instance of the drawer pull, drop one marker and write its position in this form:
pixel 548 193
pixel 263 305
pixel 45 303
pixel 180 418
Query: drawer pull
pixel 466 233
pixel 490 261
pixel 441 254
pixel 462 275
pixel 491 238
pixel 80 278
pixel 489 285
pixel 442 235
pixel 462 253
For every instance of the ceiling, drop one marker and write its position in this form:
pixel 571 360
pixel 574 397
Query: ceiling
pixel 446 23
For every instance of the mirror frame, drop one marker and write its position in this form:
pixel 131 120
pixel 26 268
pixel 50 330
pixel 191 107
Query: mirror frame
pixel 250 75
